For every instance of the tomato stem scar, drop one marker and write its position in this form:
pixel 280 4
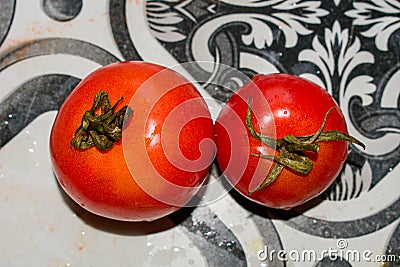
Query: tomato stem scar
pixel 290 148
pixel 101 130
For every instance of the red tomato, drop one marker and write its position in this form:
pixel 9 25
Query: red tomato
pixel 281 105
pixel 158 164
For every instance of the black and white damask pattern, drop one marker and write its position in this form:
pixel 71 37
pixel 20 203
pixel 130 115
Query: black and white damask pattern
pixel 351 48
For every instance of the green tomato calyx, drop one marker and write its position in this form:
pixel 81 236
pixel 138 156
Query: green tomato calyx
pixel 101 130
pixel 290 148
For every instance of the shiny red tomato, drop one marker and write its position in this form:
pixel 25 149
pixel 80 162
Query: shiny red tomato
pixel 138 158
pixel 269 141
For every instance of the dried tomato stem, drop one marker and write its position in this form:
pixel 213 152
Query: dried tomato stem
pixel 102 130
pixel 290 148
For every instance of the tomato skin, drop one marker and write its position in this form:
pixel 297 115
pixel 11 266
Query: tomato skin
pixel 102 182
pixel 283 104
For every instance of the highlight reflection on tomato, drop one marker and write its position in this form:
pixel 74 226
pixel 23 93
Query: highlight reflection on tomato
pixel 93 168
pixel 296 140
